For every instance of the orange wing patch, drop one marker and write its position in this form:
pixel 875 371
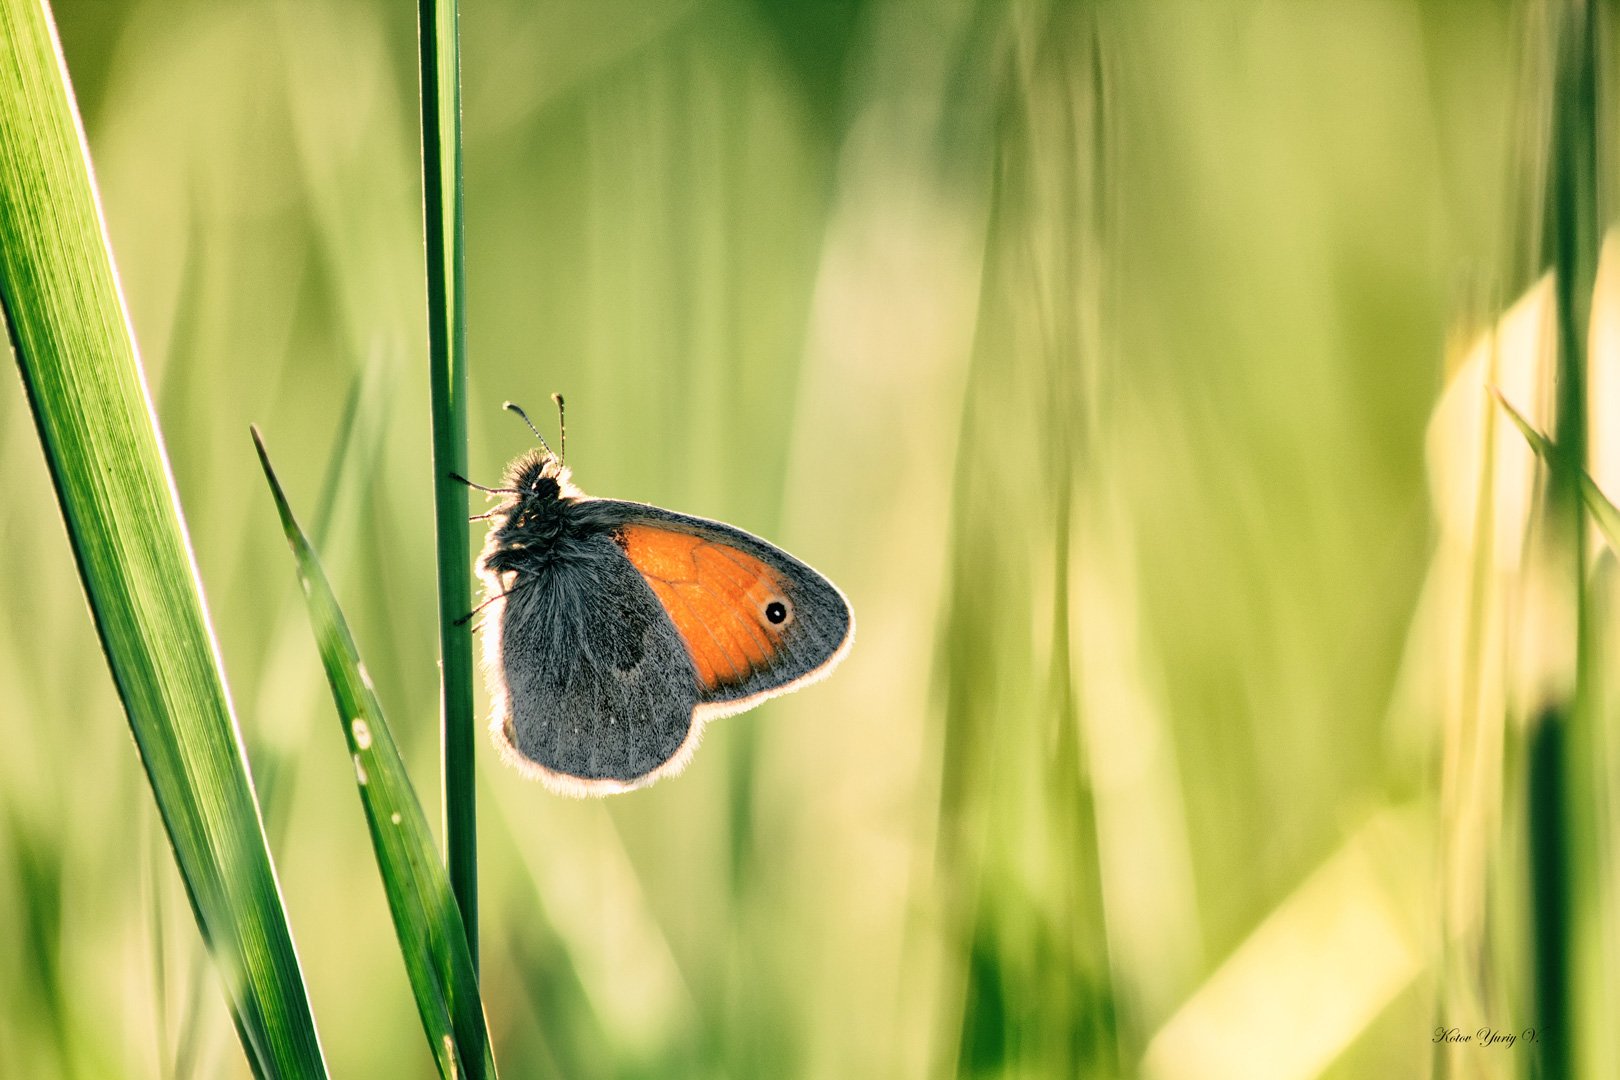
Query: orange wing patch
pixel 720 599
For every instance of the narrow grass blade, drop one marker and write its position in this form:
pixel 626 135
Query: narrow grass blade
pixel 83 378
pixel 440 59
pixel 1039 992
pixel 1566 864
pixel 432 939
pixel 1604 513
pixel 355 447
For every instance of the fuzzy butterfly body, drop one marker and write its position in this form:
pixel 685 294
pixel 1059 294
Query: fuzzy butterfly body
pixel 615 630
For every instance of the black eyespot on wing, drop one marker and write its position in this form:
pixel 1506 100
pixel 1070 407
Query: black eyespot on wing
pixel 731 596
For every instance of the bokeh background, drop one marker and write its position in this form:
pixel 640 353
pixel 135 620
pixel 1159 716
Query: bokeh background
pixel 1089 348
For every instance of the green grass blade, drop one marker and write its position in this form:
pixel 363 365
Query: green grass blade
pixel 440 58
pixel 1604 513
pixel 432 939
pixel 82 374
pixel 355 447
pixel 1565 863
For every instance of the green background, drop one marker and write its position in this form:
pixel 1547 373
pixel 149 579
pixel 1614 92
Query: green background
pixel 1089 350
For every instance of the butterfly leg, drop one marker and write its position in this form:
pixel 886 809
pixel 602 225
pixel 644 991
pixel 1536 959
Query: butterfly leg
pixel 499 596
pixel 458 478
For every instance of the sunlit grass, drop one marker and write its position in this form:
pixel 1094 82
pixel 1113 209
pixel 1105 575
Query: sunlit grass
pixel 433 939
pixel 85 387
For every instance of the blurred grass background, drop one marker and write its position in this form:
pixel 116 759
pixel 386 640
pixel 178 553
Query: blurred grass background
pixel 1089 349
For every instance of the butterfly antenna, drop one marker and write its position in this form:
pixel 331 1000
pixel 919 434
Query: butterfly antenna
pixel 515 408
pixel 562 427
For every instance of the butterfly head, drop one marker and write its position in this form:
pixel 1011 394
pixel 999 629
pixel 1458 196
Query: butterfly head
pixel 535 526
pixel 540 476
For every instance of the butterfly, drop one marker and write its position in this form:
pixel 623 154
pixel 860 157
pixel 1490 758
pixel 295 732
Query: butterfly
pixel 616 630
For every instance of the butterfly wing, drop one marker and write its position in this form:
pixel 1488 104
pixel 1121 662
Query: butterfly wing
pixel 754 621
pixel 594 690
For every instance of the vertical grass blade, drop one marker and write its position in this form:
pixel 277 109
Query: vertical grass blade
pixel 440 57
pixel 1561 790
pixel 432 939
pixel 82 374
pixel 1035 994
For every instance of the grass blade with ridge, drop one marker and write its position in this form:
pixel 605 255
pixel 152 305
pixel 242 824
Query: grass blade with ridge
pixel 432 939
pixel 81 370
pixel 440 58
